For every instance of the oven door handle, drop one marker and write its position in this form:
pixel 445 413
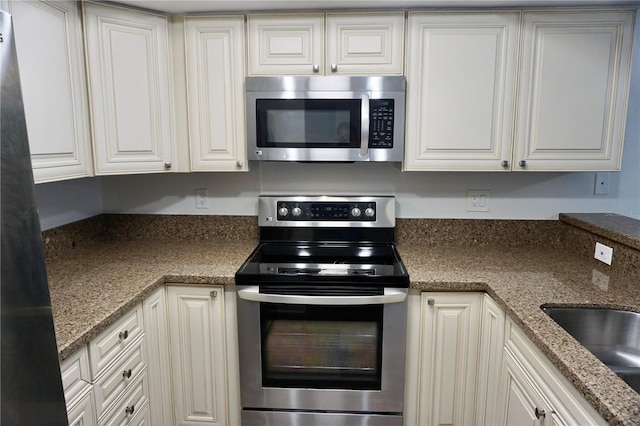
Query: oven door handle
pixel 391 295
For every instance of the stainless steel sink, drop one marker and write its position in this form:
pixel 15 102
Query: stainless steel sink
pixel 613 336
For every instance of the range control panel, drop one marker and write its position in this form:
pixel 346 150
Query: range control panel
pixel 326 211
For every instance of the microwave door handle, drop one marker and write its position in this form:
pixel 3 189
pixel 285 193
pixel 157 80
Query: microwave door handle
pixel 364 135
pixel 391 295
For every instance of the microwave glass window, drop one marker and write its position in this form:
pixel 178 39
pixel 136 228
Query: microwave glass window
pixel 322 348
pixel 317 123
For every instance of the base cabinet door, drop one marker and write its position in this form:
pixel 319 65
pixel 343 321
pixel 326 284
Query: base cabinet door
pixel 198 354
pixel 157 340
pixel 449 331
pixel 534 392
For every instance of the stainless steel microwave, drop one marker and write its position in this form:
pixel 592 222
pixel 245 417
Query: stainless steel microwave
pixel 332 118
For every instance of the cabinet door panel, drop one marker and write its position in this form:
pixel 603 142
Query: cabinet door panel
pixel 286 44
pixel 127 53
pixel 449 346
pixel 53 86
pixel 573 90
pixel 365 43
pixel 461 77
pixel 215 69
pixel 198 355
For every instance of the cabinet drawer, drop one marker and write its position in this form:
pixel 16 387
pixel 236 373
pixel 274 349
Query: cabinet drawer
pixel 75 376
pixel 119 376
pixel 135 399
pixel 109 344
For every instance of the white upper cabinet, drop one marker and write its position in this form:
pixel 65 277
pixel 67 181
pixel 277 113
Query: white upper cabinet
pixel 573 91
pixel 215 93
pixel 367 43
pixel 460 90
pixel 50 55
pixel 130 86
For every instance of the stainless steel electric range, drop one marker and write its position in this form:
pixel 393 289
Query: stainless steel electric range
pixel 322 314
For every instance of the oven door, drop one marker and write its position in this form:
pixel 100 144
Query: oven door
pixel 320 351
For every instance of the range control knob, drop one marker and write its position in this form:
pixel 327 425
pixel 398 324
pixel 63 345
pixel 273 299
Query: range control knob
pixel 369 212
pixel 296 211
pixel 283 211
pixel 356 212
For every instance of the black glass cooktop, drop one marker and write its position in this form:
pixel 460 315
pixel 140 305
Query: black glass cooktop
pixel 330 263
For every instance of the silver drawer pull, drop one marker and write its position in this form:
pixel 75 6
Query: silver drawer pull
pixel 130 410
pixel 123 334
pixel 126 374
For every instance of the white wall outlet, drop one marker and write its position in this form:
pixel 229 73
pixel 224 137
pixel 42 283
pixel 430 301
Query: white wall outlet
pixel 603 253
pixel 603 182
pixel 478 200
pixel 202 198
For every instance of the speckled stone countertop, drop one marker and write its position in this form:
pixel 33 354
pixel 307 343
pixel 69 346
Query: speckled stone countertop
pixel 91 287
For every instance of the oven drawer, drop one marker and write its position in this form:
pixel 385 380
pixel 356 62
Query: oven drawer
pixel 261 418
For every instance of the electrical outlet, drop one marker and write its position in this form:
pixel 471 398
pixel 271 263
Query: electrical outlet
pixel 602 184
pixel 603 253
pixel 202 198
pixel 478 201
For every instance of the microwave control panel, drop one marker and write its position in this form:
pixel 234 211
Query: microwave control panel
pixel 381 123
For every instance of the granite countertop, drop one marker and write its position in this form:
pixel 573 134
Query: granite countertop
pixel 90 288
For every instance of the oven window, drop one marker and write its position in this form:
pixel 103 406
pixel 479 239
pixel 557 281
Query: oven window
pixel 308 123
pixel 322 347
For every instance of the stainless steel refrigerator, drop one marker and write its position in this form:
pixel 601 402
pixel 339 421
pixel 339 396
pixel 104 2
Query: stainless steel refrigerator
pixel 31 387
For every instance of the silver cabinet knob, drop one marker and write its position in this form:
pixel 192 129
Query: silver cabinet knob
pixel 167 164
pixel 505 164
pixel 126 374
pixel 522 163
pixel 431 301
pixel 540 414
pixel 239 163
pixel 214 294
pixel 123 334
pixel 130 410
pixel 316 68
pixel 334 67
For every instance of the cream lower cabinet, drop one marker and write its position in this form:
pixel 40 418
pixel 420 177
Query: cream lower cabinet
pixel 49 44
pixel 130 80
pixel 78 390
pixel 158 358
pixel 461 73
pixel 534 392
pixel 198 354
pixel 215 92
pixel 443 336
pixel 573 90
pixel 468 364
